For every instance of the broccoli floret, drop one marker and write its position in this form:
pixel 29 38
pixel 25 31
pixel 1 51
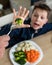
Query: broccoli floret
pixel 20 57
pixel 19 21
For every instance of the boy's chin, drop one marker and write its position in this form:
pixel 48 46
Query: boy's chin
pixel 36 28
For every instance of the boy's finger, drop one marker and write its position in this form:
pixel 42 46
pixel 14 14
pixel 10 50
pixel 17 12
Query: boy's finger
pixel 14 12
pixel 23 14
pixel 14 16
pixel 19 11
pixel 26 26
pixel 26 14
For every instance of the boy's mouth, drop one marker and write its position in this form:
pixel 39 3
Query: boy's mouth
pixel 36 24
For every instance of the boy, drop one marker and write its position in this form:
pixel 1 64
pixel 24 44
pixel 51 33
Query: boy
pixel 37 24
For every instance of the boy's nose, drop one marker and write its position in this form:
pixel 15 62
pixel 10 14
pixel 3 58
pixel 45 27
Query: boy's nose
pixel 38 18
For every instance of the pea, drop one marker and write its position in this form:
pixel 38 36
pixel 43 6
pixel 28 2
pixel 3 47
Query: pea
pixel 19 21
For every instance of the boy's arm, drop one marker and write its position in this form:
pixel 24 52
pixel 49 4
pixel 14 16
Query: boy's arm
pixel 49 26
pixel 46 28
pixel 5 29
pixel 14 36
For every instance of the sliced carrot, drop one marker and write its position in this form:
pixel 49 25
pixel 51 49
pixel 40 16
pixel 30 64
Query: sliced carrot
pixel 32 55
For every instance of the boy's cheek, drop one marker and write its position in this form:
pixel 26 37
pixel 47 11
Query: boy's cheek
pixel 45 21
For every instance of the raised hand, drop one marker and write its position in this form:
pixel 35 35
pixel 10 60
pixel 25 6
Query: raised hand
pixel 22 14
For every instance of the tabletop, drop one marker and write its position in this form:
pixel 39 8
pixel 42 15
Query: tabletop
pixel 45 43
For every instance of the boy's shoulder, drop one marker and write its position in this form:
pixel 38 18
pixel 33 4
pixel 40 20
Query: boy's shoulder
pixel 48 26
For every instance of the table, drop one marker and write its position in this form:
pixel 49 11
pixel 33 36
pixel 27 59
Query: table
pixel 44 41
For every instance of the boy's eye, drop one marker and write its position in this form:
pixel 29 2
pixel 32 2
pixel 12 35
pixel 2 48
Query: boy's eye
pixel 42 17
pixel 35 15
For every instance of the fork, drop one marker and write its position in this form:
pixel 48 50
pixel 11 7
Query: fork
pixel 11 28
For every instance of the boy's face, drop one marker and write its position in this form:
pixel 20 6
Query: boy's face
pixel 38 18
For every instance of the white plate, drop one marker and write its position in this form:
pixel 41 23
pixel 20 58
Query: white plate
pixel 27 63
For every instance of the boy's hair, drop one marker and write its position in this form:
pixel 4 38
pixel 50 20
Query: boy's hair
pixel 42 5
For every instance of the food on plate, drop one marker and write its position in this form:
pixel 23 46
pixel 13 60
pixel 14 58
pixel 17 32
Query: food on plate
pixel 25 46
pixel 20 57
pixel 19 21
pixel 32 55
pixel 25 51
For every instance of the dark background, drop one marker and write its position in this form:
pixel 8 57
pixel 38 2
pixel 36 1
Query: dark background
pixel 5 3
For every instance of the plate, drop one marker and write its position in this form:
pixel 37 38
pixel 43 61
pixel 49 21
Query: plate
pixel 27 63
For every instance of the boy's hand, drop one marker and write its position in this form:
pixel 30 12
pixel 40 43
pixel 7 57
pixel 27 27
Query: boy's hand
pixel 22 14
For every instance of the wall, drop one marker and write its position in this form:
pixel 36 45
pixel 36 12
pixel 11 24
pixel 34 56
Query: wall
pixel 16 3
pixel 49 3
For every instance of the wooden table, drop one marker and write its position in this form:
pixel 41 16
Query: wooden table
pixel 44 41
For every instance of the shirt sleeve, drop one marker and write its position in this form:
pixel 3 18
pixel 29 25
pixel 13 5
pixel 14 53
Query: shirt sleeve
pixel 48 27
pixel 14 35
pixel 5 29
